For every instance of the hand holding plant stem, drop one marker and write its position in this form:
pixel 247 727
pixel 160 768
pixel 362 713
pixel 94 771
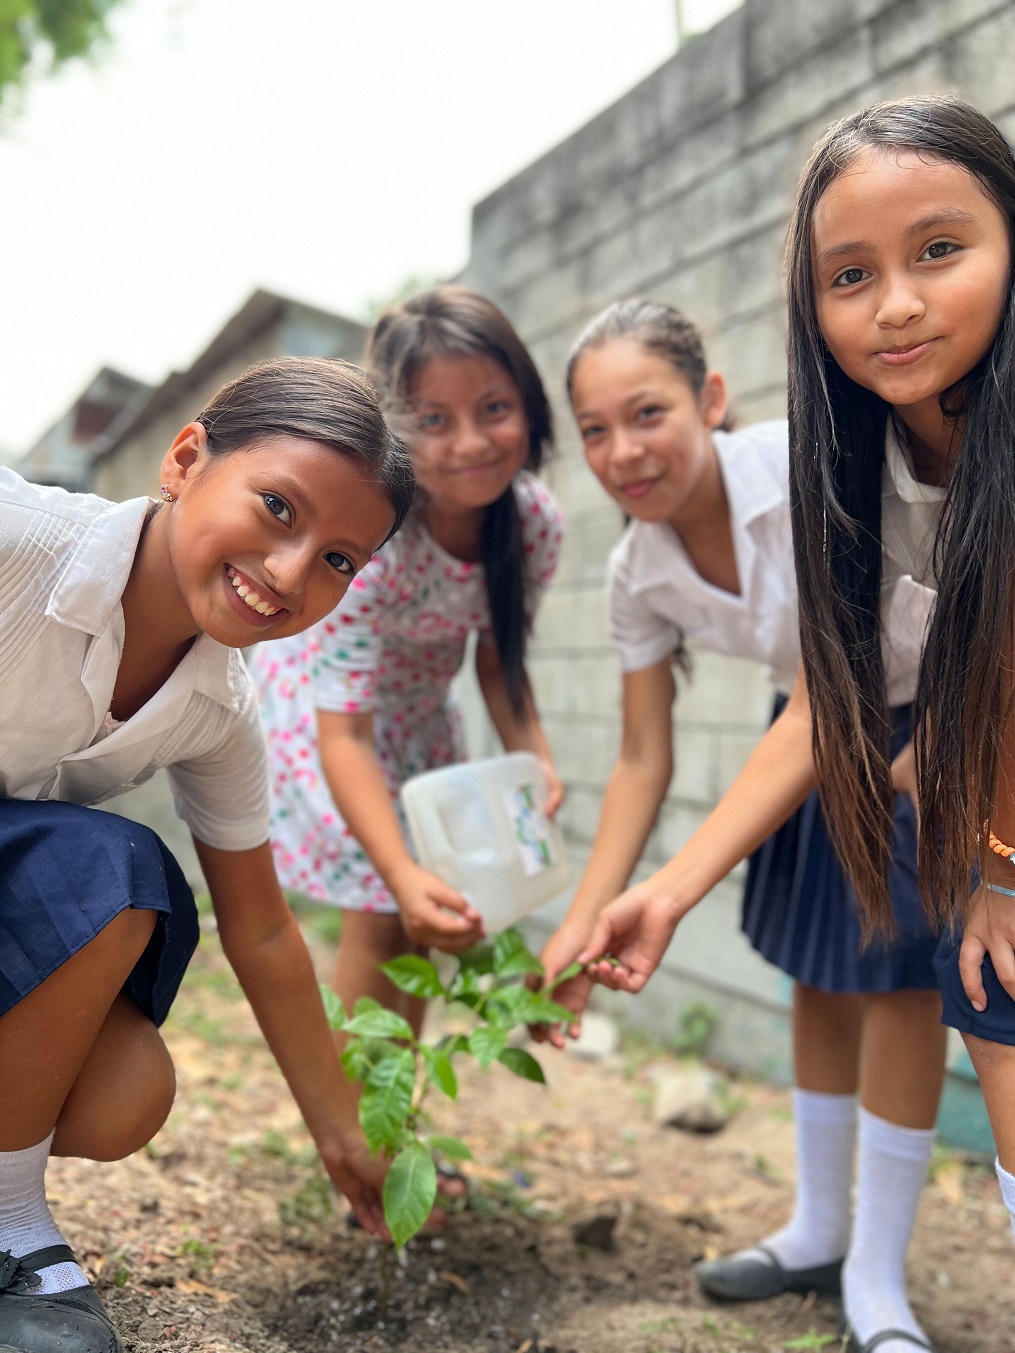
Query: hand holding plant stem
pixel 397 1070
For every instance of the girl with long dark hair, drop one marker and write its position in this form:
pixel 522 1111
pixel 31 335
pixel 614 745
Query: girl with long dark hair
pixel 902 420
pixel 365 701
pixel 708 556
pixel 121 624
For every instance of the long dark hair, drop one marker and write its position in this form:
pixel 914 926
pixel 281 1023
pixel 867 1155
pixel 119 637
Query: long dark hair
pixel 837 432
pixel 452 321
pixel 322 399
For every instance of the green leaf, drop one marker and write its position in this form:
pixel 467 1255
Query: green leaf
pixel 464 984
pixel 414 974
pixel 334 1010
pixel 439 1070
pixel 539 1010
pixel 379 1023
pixel 410 1190
pixel 511 956
pixel 523 1064
pixel 362 1054
pixel 452 1147
pixel 572 970
pixel 506 1005
pixel 478 959
pixel 387 1099
pixel 487 1043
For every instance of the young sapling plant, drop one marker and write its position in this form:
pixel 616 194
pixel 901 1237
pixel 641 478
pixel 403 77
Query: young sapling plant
pixel 399 1071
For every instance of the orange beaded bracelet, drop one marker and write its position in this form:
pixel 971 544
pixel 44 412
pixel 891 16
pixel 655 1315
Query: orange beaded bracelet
pixel 999 847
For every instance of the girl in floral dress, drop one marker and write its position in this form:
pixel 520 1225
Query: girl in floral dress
pixel 363 701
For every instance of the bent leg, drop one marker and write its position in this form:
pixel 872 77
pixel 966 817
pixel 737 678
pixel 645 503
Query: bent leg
pixel 45 1040
pixel 123 1092
pixel 47 1037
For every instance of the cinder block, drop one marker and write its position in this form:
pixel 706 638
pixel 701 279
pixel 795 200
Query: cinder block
pixel 695 781
pixel 573 617
pixel 781 35
pixel 810 84
pixel 724 693
pixel 906 29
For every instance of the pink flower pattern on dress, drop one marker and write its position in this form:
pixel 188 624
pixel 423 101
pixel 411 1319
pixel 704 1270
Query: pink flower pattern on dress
pixel 393 647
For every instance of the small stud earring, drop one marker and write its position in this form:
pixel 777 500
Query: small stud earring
pixel 167 495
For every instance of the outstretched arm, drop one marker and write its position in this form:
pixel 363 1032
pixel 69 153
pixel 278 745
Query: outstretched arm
pixel 635 930
pixel 264 945
pixel 432 913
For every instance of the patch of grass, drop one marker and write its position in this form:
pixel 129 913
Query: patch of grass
pixel 694 1026
pixel 667 1325
pixel 277 1146
pixel 200 1253
pixel 813 1340
pixel 310 1205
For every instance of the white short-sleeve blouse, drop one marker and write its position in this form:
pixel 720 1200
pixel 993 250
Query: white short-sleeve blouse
pixel 657 597
pixel 64 562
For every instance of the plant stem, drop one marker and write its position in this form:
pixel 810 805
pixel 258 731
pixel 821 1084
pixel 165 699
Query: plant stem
pixel 385 1283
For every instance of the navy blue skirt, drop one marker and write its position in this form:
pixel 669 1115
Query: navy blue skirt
pixel 65 872
pixel 996 1024
pixel 800 911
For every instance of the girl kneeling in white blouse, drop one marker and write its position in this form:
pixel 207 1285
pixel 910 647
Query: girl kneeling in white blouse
pixel 120 627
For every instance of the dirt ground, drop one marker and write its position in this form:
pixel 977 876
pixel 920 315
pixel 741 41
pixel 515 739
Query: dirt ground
pixel 224 1236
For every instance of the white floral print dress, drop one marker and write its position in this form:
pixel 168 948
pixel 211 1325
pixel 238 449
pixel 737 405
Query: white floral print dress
pixel 393 647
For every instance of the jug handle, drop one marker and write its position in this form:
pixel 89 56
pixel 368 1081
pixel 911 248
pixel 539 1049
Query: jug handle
pixel 432 825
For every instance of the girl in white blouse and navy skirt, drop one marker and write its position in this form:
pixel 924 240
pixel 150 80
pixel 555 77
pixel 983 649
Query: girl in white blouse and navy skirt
pixel 120 627
pixel 709 556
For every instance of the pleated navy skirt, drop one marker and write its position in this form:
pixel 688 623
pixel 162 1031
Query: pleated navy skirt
pixel 65 872
pixel 800 911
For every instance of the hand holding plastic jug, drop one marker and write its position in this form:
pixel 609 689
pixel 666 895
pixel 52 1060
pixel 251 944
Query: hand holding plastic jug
pixel 433 914
pixel 483 827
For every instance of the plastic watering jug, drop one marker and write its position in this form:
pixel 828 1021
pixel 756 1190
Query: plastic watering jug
pixel 480 826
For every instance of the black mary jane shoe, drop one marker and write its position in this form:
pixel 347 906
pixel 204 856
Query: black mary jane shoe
pixel 748 1279
pixel 853 1344
pixel 72 1322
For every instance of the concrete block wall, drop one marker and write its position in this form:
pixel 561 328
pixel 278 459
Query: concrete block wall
pixel 682 191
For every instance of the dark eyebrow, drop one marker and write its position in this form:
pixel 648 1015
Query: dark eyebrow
pixel 945 216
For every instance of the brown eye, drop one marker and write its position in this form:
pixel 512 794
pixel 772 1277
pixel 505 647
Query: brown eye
pixel 278 507
pixel 340 563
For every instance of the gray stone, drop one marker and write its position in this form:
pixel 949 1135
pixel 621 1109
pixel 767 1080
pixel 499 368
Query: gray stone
pixel 690 1099
pixel 599 1037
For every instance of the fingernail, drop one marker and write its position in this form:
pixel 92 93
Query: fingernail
pixel 979 1007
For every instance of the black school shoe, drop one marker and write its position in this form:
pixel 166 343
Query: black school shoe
pixel 735 1279
pixel 853 1344
pixel 71 1322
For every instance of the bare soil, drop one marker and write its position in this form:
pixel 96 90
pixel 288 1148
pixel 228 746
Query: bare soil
pixel 224 1236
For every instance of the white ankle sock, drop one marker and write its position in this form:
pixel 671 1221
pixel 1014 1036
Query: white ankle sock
pixel 891 1168
pixel 26 1223
pixel 818 1232
pixel 1007 1182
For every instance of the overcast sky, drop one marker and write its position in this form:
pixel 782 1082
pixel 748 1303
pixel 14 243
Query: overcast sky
pixel 326 149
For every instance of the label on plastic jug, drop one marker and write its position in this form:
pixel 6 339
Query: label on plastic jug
pixel 529 826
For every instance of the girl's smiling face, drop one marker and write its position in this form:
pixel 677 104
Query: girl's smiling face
pixel 265 540
pixel 646 433
pixel 911 263
pixel 470 435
